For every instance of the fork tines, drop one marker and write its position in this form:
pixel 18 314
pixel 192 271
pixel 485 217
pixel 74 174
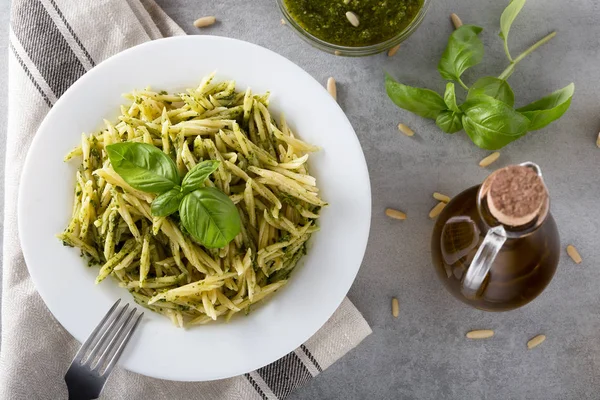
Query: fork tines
pixel 106 343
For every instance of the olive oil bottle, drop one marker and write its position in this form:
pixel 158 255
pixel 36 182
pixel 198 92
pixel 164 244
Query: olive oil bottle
pixel 496 246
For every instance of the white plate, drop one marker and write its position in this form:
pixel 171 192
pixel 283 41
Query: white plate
pixel 316 287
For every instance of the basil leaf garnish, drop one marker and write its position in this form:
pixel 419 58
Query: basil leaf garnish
pixel 195 178
pixel 210 217
pixel 143 166
pixel 167 203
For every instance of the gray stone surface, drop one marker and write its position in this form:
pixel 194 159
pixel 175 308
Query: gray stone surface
pixel 423 354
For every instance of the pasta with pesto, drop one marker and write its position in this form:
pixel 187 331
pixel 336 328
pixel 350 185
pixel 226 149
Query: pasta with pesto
pixel 263 169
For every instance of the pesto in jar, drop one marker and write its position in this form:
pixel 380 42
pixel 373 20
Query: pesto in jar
pixel 379 20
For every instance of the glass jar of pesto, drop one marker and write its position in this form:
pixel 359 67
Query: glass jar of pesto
pixel 354 27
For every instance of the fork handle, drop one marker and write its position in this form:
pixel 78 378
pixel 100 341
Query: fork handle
pixel 78 396
pixel 80 393
pixel 82 385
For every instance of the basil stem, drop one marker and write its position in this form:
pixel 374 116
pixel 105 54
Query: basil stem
pixel 511 68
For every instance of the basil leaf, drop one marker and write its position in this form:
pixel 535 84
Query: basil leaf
pixel 491 124
pixel 143 166
pixel 491 86
pixel 210 217
pixel 449 121
pixel 167 203
pixel 464 50
pixel 450 97
pixel 506 20
pixel 423 102
pixel 549 108
pixel 195 178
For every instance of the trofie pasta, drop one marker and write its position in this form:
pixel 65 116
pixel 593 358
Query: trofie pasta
pixel 263 170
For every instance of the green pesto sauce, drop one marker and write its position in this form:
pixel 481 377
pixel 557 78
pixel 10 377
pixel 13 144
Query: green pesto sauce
pixel 380 20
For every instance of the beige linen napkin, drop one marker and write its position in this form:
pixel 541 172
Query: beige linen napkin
pixel 53 43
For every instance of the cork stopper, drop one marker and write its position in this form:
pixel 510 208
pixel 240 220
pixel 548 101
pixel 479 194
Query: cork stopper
pixel 517 195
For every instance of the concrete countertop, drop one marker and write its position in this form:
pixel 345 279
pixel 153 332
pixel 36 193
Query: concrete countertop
pixel 424 354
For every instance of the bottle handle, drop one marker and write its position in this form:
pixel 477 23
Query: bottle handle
pixel 483 260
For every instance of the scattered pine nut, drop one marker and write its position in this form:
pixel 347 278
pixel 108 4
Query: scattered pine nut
pixel 486 162
pixel 393 50
pixel 353 19
pixel 536 341
pixel 395 214
pixel 441 197
pixel 406 130
pixel 395 307
pixel 480 334
pixel 283 21
pixel 574 254
pixel 456 21
pixel 337 53
pixel 435 211
pixel 204 21
pixel 331 88
pixel 598 140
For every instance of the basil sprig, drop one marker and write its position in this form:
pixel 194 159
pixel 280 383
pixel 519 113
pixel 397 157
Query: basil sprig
pixel 488 115
pixel 207 214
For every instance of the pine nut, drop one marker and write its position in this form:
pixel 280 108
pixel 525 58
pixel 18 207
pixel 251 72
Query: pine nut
pixel 435 211
pixel 598 140
pixel 441 197
pixel 406 130
pixel 331 88
pixel 574 254
pixel 395 214
pixel 486 162
pixel 480 334
pixel 337 53
pixel 204 21
pixel 395 307
pixel 456 21
pixel 393 50
pixel 536 341
pixel 283 21
pixel 353 19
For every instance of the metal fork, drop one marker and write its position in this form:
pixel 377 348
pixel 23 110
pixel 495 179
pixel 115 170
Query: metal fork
pixel 97 357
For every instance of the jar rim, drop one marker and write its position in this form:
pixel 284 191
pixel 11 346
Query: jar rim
pixel 356 51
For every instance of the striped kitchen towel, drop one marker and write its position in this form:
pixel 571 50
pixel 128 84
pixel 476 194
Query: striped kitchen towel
pixel 53 43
